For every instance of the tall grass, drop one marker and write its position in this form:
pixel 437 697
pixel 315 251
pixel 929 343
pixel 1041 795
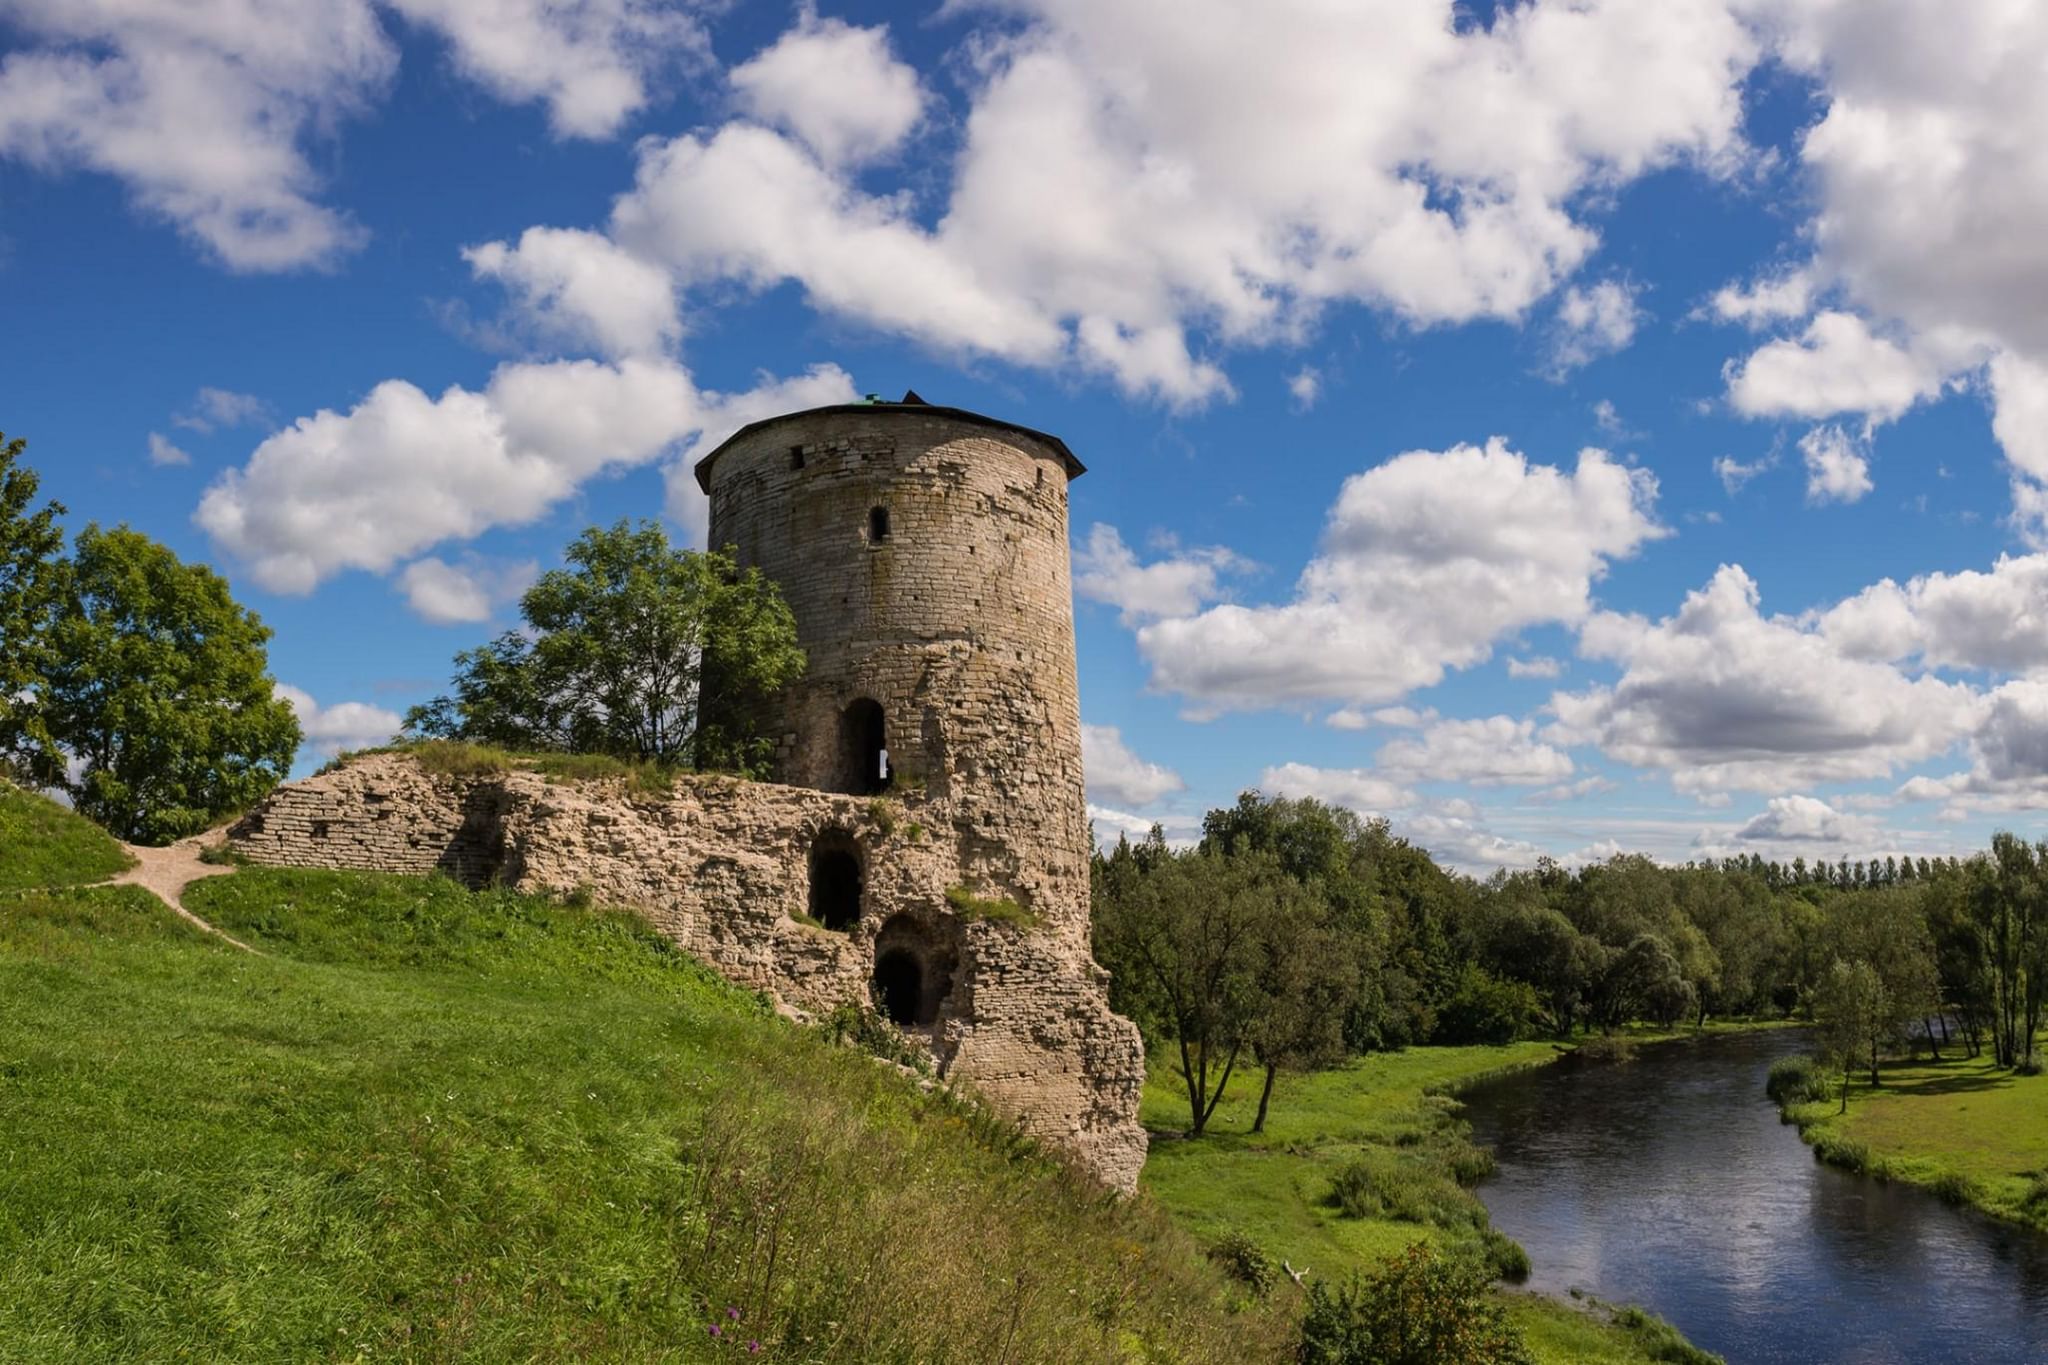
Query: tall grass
pixel 441 1125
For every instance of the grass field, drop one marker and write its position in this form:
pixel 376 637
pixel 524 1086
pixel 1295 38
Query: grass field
pixel 1972 1132
pixel 42 844
pixel 1388 1110
pixel 431 1124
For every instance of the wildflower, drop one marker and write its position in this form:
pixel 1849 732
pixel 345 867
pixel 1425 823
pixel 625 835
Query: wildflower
pixel 753 1348
pixel 716 1330
pixel 733 1313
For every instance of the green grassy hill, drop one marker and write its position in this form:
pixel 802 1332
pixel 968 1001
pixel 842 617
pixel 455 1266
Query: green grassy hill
pixel 43 844
pixel 431 1124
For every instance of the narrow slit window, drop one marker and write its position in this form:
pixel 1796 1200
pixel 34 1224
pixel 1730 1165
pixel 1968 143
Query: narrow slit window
pixel 878 526
pixel 796 457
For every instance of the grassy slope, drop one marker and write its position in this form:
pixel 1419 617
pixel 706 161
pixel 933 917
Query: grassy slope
pixel 1963 1127
pixel 432 1124
pixel 1273 1186
pixel 43 844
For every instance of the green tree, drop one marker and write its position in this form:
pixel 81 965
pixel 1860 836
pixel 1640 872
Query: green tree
pixel 1186 936
pixel 636 649
pixel 1307 977
pixel 1856 1019
pixel 157 688
pixel 31 543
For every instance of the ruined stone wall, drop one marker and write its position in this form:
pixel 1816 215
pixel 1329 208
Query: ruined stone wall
pixel 959 623
pixel 723 868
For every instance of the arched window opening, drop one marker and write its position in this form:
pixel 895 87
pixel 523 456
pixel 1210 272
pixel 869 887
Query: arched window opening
pixel 835 880
pixel 878 525
pixel 865 745
pixel 899 988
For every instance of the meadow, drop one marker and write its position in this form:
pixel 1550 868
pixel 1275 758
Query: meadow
pixel 430 1123
pixel 1973 1132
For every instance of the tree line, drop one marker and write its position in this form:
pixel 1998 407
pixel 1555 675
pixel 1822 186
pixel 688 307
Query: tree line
pixel 1295 934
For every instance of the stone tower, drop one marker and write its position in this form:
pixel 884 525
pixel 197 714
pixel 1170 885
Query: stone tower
pixel 925 848
pixel 923 552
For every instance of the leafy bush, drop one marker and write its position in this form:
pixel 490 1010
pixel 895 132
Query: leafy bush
pixel 2031 1064
pixel 1419 1308
pixel 1245 1263
pixel 1483 1008
pixel 1797 1080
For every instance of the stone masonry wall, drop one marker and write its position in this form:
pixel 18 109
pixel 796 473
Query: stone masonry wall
pixel 723 867
pixel 959 623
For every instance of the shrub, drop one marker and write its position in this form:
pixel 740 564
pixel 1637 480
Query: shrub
pixel 852 1024
pixel 1409 1188
pixel 1245 1263
pixel 1797 1080
pixel 882 815
pixel 2037 1190
pixel 1365 1187
pixel 2031 1064
pixel 1417 1309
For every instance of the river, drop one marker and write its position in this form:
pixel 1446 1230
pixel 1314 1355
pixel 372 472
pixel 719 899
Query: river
pixel 1669 1182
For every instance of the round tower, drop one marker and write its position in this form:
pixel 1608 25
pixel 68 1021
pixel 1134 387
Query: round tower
pixel 923 552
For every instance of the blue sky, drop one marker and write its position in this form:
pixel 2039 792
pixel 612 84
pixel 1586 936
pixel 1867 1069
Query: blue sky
pixel 1559 428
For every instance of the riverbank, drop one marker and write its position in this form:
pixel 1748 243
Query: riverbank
pixel 1385 1129
pixel 1971 1132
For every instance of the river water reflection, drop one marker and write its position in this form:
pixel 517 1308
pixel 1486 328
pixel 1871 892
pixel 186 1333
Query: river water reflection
pixel 1670 1183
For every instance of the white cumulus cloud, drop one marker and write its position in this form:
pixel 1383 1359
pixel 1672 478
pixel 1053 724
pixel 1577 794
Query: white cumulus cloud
pixel 582 288
pixel 402 471
pixel 1724 698
pixel 1486 752
pixel 838 88
pixel 1180 583
pixel 1836 468
pixel 1119 775
pixel 344 725
pixel 1426 561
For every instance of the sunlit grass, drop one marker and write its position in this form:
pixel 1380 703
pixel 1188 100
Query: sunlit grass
pixel 1973 1132
pixel 43 844
pixel 431 1124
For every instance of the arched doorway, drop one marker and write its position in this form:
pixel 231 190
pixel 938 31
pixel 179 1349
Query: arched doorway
pixel 835 880
pixel 864 745
pixel 914 965
pixel 899 986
